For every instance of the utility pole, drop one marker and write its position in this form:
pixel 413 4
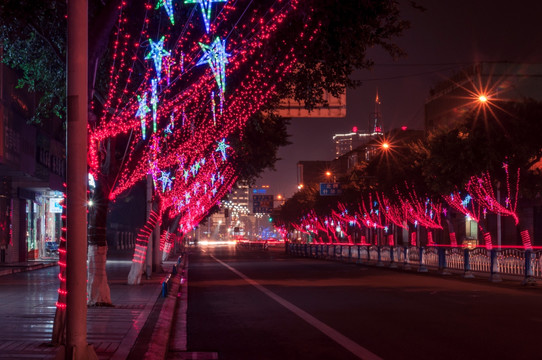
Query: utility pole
pixel 77 180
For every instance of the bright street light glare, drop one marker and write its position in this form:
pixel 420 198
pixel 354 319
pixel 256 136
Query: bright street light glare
pixel 482 98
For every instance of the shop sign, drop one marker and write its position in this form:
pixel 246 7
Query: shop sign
pixel 55 206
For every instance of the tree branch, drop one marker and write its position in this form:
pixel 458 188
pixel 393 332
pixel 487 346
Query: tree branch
pixel 56 51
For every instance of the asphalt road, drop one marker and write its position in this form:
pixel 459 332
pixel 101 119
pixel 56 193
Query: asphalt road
pixel 254 304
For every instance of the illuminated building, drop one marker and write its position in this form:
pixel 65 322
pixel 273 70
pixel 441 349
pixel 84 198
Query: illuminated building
pixel 347 142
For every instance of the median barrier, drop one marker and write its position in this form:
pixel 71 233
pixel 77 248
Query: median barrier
pixel 514 263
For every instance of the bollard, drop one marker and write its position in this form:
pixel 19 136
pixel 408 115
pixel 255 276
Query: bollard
pixel 359 255
pixel 466 255
pixel 529 278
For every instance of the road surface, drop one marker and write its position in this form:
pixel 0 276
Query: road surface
pixel 256 305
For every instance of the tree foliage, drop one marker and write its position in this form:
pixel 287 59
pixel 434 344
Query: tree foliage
pixel 32 38
pixel 256 145
pixel 507 132
pixel 347 30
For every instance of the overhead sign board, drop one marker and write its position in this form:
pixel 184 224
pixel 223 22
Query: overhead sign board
pixel 330 189
pixel 262 204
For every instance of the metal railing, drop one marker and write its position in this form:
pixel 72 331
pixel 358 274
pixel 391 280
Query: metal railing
pixel 512 263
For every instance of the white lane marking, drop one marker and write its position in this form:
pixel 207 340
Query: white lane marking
pixel 342 340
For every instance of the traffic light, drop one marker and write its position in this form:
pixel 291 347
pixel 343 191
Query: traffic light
pixel 270 219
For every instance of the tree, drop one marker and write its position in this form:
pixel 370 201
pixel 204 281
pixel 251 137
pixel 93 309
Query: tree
pixel 483 141
pixel 323 60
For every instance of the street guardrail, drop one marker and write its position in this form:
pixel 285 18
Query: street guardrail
pixel 513 262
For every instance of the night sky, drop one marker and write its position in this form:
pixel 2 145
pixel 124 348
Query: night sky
pixel 447 36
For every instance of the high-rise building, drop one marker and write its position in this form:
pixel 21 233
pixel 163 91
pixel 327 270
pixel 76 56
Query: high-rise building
pixel 347 142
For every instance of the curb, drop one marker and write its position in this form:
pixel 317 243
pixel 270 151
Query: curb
pixel 161 334
pixel 178 339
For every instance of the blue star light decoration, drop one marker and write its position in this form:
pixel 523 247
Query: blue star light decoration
pixel 142 113
pixel 165 180
pixel 216 57
pixel 170 127
pixel 222 146
pixel 205 10
pixel 154 102
pixel 168 6
pixel 156 54
pixel 467 200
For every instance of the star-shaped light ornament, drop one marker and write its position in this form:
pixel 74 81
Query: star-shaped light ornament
pixel 222 146
pixel 165 180
pixel 156 54
pixel 216 57
pixel 141 113
pixel 205 10
pixel 168 6
pixel 154 102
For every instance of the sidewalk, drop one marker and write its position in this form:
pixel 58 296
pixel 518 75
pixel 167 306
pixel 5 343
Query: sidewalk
pixel 28 307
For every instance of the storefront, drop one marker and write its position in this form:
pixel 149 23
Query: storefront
pixel 43 224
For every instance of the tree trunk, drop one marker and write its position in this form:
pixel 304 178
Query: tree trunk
pixel 168 243
pixel 142 241
pixel 97 287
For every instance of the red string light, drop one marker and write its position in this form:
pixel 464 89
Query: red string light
pixel 187 125
pixel 62 293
